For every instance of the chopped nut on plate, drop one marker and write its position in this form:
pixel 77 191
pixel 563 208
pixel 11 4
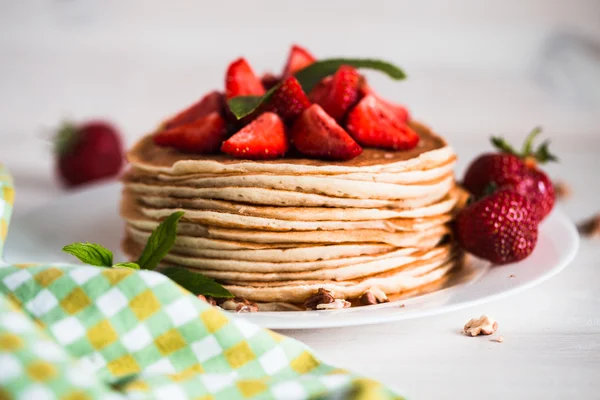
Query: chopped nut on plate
pixel 240 305
pixel 208 299
pixel 373 295
pixel 483 325
pixel 591 227
pixel 323 296
pixel 335 305
pixel 562 190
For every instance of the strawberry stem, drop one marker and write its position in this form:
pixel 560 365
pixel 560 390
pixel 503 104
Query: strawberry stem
pixel 64 138
pixel 540 155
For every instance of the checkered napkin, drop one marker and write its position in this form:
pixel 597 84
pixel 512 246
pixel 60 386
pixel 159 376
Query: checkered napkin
pixel 79 332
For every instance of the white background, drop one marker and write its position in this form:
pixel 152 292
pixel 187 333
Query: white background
pixel 475 68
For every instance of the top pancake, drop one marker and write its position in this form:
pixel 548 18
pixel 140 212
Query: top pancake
pixel 432 150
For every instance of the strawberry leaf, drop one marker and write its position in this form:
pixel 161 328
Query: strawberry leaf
pixel 160 242
pixel 196 283
pixel 90 253
pixel 308 77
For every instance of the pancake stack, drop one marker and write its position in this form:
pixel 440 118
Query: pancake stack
pixel 275 232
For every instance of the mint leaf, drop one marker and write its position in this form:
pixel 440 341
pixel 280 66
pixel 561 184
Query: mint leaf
pixel 308 77
pixel 196 283
pixel 131 265
pixel 90 253
pixel 160 242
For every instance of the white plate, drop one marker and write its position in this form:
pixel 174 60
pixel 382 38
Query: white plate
pixel 92 215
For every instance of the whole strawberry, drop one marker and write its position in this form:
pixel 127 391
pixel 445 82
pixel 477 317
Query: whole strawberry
pixel 514 170
pixel 88 152
pixel 501 227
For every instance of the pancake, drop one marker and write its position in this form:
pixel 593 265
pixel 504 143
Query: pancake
pixel 432 150
pixel 327 186
pixel 405 177
pixel 302 213
pixel 272 197
pixel 241 251
pixel 423 273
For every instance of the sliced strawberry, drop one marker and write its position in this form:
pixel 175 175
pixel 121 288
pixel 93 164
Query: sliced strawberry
pixel 374 124
pixel 261 139
pixel 203 136
pixel 401 111
pixel 289 100
pixel 240 80
pixel 298 59
pixel 316 134
pixel 339 94
pixel 212 102
pixel 269 80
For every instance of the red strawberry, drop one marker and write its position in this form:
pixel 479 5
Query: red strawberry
pixel 373 124
pixel 289 100
pixel 401 111
pixel 240 80
pixel 88 152
pixel 261 139
pixel 298 59
pixel 212 102
pixel 269 80
pixel 514 170
pixel 203 136
pixel 316 134
pixel 340 93
pixel 501 227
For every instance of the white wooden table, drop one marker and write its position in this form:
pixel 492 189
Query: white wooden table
pixel 474 72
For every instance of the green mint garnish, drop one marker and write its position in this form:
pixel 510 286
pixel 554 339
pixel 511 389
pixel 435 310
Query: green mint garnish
pixel 160 242
pixel 196 283
pixel 90 253
pixel 308 77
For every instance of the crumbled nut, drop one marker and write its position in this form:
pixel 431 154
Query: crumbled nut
pixel 239 304
pixel 591 227
pixel 323 296
pixel 335 305
pixel 499 339
pixel 373 295
pixel 367 299
pixel 202 298
pixel 562 190
pixel 208 299
pixel 512 276
pixel 482 326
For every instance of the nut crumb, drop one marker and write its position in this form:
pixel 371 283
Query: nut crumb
pixel 239 305
pixel 323 296
pixel 373 295
pixel 591 227
pixel 511 276
pixel 335 305
pixel 499 339
pixel 562 190
pixel 484 325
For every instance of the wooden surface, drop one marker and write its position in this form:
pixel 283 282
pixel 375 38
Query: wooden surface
pixel 474 71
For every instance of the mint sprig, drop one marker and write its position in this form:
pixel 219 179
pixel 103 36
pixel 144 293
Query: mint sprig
pixel 90 253
pixel 311 75
pixel 159 243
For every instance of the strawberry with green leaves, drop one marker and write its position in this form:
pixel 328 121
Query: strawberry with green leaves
pixel 514 170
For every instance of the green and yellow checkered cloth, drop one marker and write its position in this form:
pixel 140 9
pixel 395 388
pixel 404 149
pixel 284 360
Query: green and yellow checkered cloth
pixel 80 332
